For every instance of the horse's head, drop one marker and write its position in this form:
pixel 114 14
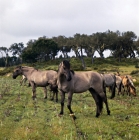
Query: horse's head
pixel 132 88
pixel 17 71
pixel 64 68
pixel 129 83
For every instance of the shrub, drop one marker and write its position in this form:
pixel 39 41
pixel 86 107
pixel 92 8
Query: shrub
pixel 6 70
pixel 134 72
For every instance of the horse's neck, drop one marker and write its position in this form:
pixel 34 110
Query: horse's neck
pixel 26 72
pixel 61 78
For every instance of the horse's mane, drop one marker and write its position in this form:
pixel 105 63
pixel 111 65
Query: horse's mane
pixel 66 63
pixel 72 72
pixel 26 67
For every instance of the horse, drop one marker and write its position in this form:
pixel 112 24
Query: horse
pixel 37 78
pixel 128 84
pixel 118 83
pixel 23 80
pixel 71 82
pixel 110 81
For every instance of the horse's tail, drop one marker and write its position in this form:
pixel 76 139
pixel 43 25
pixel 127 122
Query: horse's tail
pixel 100 102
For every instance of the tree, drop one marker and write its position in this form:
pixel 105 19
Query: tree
pixel 46 48
pixel 100 42
pixel 5 58
pixel 78 44
pixel 17 49
pixel 122 45
pixel 62 42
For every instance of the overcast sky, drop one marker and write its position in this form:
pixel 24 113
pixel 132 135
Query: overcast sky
pixel 22 20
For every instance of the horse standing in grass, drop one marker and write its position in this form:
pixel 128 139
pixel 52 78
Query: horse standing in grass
pixel 23 80
pixel 118 83
pixel 77 82
pixel 128 85
pixel 110 81
pixel 37 78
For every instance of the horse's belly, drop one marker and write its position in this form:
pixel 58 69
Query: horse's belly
pixel 80 89
pixel 41 84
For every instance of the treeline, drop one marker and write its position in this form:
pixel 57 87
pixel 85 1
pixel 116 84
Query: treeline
pixel 121 45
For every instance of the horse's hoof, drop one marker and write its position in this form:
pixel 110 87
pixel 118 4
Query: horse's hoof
pixel 45 97
pixel 52 99
pixel 73 116
pixel 56 100
pixel 60 115
pixel 108 112
pixel 97 115
pixel 33 97
pixel 111 97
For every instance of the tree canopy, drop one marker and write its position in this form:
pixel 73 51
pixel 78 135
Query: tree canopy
pixel 121 45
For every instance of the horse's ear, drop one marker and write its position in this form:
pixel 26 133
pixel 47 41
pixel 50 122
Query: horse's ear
pixel 61 63
pixel 20 67
pixel 126 76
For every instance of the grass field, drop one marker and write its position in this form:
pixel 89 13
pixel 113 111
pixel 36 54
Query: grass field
pixel 22 118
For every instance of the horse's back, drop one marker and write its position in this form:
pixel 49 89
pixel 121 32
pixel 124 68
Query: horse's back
pixel 109 79
pixel 87 80
pixel 43 78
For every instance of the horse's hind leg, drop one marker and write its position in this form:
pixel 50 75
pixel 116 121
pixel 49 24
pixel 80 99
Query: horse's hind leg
pixel 45 92
pixel 98 102
pixel 104 98
pixel 33 90
pixel 56 93
pixel 113 91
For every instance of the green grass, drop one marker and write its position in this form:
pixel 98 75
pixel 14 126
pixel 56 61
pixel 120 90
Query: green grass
pixel 21 118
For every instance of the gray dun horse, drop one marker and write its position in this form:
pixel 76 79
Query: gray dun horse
pixel 70 82
pixel 118 84
pixel 37 78
pixel 23 81
pixel 110 81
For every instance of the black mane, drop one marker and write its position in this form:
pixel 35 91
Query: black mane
pixel 66 64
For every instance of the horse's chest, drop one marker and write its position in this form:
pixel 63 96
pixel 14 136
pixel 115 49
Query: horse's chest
pixel 64 87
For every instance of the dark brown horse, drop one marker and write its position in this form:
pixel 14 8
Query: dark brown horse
pixel 38 78
pixel 70 82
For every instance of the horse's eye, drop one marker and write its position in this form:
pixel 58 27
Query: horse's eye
pixel 64 68
pixel 16 70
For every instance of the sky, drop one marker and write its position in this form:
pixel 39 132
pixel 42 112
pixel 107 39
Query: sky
pixel 23 20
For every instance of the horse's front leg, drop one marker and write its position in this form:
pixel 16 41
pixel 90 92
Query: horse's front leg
pixel 33 90
pixel 69 102
pixel 62 102
pixel 55 93
pixel 69 105
pixel 56 96
pixel 45 92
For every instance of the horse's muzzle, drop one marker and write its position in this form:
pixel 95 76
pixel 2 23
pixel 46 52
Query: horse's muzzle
pixel 14 77
pixel 69 78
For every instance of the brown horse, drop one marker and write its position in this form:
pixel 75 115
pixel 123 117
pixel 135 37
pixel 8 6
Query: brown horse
pixel 37 78
pixel 70 82
pixel 128 84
